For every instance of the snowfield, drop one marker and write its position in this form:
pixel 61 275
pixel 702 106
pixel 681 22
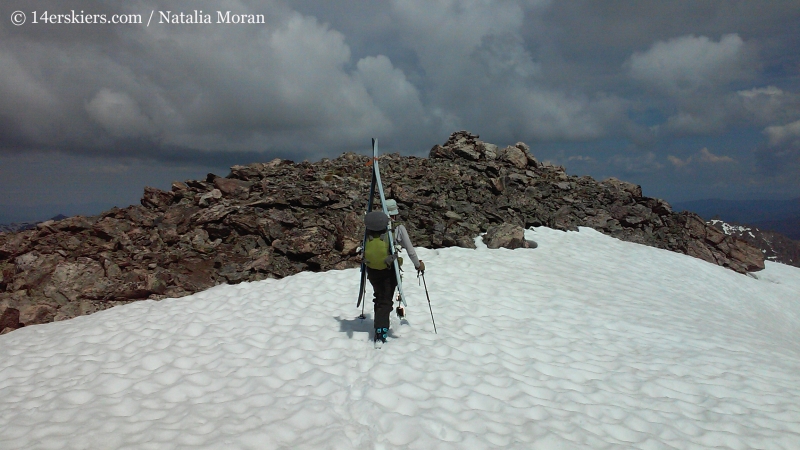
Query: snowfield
pixel 584 342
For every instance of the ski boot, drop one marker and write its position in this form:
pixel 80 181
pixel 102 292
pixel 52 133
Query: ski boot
pixel 380 336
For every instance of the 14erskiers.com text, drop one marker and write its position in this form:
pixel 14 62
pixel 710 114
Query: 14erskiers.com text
pixel 164 17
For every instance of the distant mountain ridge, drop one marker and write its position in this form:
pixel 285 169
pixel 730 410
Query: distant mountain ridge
pixel 22 226
pixel 780 216
pixel 789 227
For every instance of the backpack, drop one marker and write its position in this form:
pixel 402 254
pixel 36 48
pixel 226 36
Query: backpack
pixel 376 251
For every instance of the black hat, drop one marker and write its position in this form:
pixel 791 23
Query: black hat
pixel 376 221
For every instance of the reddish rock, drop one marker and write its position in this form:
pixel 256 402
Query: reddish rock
pixel 262 263
pixel 305 241
pixel 37 314
pixel 230 186
pixel 9 317
pixel 699 250
pixel 212 214
pixel 12 244
pixel 110 228
pixel 74 224
pixel 714 235
pixel 695 225
pixel 156 198
pixel 748 256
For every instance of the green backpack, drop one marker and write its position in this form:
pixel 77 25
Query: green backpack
pixel 376 251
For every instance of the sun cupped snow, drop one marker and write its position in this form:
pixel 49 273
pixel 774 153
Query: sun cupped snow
pixel 584 342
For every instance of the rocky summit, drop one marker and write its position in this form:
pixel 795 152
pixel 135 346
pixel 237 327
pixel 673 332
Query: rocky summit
pixel 271 220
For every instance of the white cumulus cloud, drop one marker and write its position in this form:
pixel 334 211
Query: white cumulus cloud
pixel 391 92
pixel 703 156
pixel 688 63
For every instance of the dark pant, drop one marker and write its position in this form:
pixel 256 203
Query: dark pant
pixel 383 284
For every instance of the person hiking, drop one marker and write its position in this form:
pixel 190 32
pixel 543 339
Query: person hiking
pixel 379 259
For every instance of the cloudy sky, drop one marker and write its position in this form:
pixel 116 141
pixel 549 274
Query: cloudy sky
pixel 692 100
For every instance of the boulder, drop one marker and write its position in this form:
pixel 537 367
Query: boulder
pixel 12 244
pixel 262 263
pixel 439 152
pixel 75 279
pixel 505 235
pixel 110 227
pixel 305 242
pixel 468 152
pixel 747 255
pixel 212 214
pixel 156 198
pixel 489 151
pixel 696 225
pixel 37 314
pixel 230 187
pixel 9 317
pixel 623 186
pixel 515 156
pixel 209 197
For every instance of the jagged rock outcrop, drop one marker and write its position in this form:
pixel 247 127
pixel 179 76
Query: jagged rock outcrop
pixel 279 218
pixel 774 246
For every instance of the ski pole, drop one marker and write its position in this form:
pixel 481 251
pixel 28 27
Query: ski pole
pixel 429 302
pixel 362 316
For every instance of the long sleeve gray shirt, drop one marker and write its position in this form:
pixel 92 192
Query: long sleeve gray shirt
pixel 401 237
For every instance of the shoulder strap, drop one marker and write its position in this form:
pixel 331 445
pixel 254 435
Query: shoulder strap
pixel 385 239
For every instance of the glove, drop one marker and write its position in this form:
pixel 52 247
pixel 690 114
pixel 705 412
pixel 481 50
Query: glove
pixel 421 267
pixel 390 259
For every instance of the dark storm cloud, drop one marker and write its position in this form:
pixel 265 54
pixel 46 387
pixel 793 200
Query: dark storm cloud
pixel 280 86
pixel 318 78
pixel 292 83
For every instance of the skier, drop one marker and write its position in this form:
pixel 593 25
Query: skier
pixel 379 258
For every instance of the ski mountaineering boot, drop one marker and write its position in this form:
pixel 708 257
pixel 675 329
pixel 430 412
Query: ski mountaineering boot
pixel 380 336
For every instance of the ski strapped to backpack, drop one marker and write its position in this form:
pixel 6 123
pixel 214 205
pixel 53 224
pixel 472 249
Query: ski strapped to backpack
pixel 363 287
pixel 395 263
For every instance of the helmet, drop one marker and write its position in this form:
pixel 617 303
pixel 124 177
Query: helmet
pixel 391 207
pixel 376 221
